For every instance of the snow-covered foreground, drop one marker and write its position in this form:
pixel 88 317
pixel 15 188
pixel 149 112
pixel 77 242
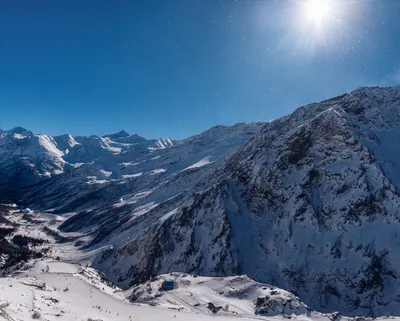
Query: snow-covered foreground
pixel 237 295
pixel 51 290
pixel 63 293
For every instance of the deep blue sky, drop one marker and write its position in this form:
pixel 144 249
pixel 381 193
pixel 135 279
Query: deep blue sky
pixel 175 68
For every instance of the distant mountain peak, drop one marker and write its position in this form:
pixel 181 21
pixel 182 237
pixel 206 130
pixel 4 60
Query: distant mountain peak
pixel 119 134
pixel 18 130
pixel 124 137
pixel 21 131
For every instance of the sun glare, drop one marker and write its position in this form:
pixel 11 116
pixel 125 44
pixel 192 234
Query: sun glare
pixel 318 24
pixel 318 11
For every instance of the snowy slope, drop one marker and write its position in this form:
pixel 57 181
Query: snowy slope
pixel 51 290
pixel 237 295
pixel 309 205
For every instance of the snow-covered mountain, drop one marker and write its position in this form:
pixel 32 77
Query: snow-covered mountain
pixel 308 202
pixel 27 159
pixel 310 205
pixel 138 176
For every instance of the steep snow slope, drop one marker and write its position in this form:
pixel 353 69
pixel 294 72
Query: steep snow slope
pixel 310 205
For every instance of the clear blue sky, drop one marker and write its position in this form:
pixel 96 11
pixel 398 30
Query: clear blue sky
pixel 175 68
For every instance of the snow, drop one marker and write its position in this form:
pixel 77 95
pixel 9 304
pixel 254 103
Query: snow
pixel 236 295
pixel 133 199
pixel 203 162
pixel 94 180
pixel 168 215
pixel 157 171
pixel 141 210
pixel 49 145
pixel 61 291
pixel 130 164
pixel 132 175
pixel 70 292
pixel 162 143
pixel 105 173
pixel 19 136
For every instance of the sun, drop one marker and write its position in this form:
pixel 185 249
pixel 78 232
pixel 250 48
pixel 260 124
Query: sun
pixel 318 12
pixel 314 26
pixel 317 9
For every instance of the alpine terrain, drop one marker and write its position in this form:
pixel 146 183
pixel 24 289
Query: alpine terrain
pixel 289 217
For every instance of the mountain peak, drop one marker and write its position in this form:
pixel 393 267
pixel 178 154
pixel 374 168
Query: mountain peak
pixel 124 137
pixel 119 134
pixel 20 130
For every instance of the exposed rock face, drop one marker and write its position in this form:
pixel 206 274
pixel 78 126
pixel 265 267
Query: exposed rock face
pixel 310 205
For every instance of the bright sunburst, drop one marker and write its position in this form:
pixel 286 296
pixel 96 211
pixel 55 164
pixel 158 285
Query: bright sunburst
pixel 312 26
pixel 318 22
pixel 317 10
